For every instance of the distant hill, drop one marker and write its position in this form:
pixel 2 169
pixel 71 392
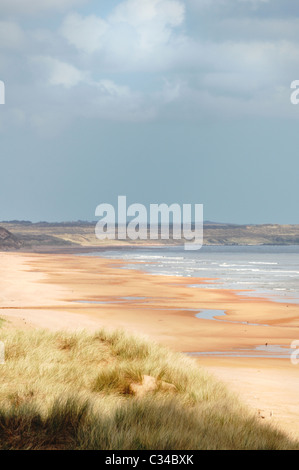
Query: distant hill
pixel 8 242
pixel 73 236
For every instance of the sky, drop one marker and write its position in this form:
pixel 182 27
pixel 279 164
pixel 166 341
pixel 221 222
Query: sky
pixel 164 101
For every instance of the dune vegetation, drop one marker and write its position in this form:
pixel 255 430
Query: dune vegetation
pixel 84 391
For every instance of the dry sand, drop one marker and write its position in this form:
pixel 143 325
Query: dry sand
pixel 47 291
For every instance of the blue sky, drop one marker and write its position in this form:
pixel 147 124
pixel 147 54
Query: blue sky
pixel 161 100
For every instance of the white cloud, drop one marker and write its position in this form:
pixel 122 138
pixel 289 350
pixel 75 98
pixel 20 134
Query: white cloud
pixel 136 25
pixel 139 13
pixel 61 73
pixel 142 60
pixel 86 34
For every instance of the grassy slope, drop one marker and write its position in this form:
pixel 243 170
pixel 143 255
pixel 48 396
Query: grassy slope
pixel 70 391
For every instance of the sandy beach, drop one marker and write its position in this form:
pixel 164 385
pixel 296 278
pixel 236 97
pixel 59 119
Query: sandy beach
pixel 80 292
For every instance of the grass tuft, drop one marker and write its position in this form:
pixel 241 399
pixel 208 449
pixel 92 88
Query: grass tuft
pixel 72 391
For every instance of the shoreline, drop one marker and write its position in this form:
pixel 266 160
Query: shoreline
pixel 240 311
pixel 46 290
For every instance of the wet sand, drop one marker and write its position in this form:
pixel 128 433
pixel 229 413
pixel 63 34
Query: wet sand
pixel 71 292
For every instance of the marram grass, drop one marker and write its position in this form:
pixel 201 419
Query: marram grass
pixel 71 391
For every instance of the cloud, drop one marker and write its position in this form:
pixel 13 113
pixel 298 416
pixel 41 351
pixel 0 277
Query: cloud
pixel 61 73
pixel 135 25
pixel 85 33
pixel 149 59
pixel 139 13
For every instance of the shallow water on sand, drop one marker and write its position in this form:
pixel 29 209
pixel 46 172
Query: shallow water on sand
pixel 274 351
pixel 265 271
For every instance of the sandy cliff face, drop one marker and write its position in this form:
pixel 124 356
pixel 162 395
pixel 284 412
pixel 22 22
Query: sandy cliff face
pixel 8 241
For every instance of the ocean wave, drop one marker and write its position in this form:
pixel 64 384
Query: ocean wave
pixel 267 273
pixel 262 262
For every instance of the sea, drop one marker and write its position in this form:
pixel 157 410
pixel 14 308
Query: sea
pixel 267 271
pixel 264 271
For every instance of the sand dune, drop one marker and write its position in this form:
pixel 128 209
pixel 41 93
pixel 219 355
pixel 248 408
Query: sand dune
pixel 74 293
